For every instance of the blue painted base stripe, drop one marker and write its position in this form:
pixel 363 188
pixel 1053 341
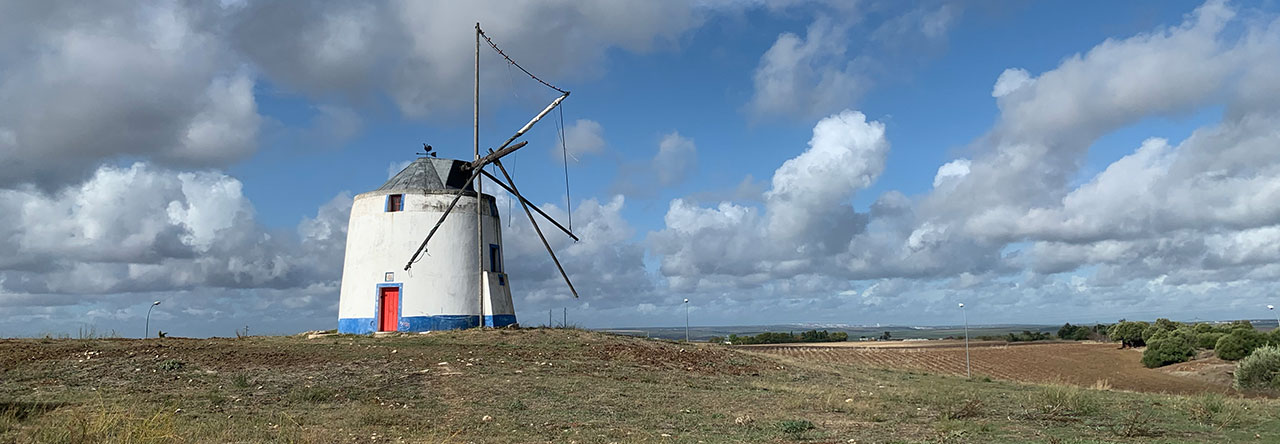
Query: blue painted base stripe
pixel 362 326
pixel 357 326
pixel 499 320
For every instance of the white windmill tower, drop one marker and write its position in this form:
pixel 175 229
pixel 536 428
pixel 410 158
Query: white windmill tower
pixel 461 283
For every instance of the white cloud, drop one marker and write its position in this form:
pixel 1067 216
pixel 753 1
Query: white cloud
pixel 584 137
pixel 807 76
pixel 951 171
pixel 676 158
pixel 155 81
pixel 807 215
pixel 1011 80
pixel 421 52
pixel 143 229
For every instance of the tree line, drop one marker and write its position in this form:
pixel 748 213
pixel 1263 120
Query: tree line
pixel 783 338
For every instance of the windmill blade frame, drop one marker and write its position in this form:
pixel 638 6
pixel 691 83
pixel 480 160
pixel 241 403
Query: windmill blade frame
pixel 523 200
pixel 457 196
pixel 525 205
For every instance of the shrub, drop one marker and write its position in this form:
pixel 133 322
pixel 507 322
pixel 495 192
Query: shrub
pixel 1064 400
pixel 1208 340
pixel 1027 336
pixel 1238 344
pixel 1074 332
pixel 794 426
pixel 1259 369
pixel 1169 348
pixel 782 338
pixel 172 365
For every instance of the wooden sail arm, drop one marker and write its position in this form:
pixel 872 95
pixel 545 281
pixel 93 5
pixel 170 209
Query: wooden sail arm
pixel 448 209
pixel 525 204
pixel 503 149
pixel 511 189
pixel 495 155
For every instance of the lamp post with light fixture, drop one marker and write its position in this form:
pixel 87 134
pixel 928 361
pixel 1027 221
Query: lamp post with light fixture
pixel 147 333
pixel 1272 308
pixel 967 369
pixel 686 319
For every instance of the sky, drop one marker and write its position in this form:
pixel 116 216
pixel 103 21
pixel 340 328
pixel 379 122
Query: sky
pixel 844 162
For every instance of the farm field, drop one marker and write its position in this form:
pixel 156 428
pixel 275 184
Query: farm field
pixel 557 386
pixel 1083 364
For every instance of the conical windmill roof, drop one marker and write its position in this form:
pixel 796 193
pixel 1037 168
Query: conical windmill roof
pixel 429 174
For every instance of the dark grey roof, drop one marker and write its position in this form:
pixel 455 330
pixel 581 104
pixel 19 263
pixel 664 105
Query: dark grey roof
pixel 430 173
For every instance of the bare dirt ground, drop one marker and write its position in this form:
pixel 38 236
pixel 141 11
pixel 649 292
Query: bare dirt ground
pixel 1085 364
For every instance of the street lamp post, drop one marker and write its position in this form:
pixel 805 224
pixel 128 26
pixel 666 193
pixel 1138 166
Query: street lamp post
pixel 686 320
pixel 1273 311
pixel 967 369
pixel 147 333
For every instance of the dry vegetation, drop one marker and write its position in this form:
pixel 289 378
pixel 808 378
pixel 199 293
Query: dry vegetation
pixel 553 386
pixel 1077 363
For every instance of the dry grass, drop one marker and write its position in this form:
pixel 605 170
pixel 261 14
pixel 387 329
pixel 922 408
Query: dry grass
pixel 546 385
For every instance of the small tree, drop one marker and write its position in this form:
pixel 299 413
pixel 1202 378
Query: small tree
pixel 1169 347
pixel 1128 333
pixel 1074 332
pixel 1238 344
pixel 1259 369
pixel 1208 340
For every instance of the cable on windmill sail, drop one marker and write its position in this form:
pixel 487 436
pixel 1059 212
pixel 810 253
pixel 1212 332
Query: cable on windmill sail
pixel 564 150
pixel 517 65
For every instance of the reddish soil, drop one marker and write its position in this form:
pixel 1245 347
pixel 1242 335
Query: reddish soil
pixel 1078 363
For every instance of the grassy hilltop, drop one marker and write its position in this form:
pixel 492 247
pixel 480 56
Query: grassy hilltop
pixel 562 386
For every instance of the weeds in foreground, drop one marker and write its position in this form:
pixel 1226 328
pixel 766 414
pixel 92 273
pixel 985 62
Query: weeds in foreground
pixel 964 409
pixel 1102 384
pixel 1062 401
pixel 106 424
pixel 313 394
pixel 1212 409
pixel 240 381
pixel 1135 424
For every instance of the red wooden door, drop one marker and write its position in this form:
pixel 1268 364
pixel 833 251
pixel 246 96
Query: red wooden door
pixel 389 318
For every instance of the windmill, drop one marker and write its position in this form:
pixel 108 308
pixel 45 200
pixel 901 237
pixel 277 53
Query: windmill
pixel 442 291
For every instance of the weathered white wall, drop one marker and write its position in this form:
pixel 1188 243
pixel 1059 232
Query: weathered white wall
pixel 443 282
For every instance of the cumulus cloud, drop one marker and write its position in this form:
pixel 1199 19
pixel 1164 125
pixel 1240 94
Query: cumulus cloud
pixel 143 229
pixel 806 214
pixel 1012 225
pixel 1009 81
pixel 676 157
pixel 583 137
pixel 345 50
pixel 111 81
pixel 606 266
pixel 807 76
pixel 1169 215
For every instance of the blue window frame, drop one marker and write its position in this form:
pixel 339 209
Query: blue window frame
pixel 395 202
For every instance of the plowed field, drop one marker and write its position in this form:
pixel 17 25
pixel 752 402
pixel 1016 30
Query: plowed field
pixel 1077 363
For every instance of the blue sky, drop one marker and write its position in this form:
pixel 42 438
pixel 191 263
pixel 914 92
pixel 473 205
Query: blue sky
pixel 844 162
